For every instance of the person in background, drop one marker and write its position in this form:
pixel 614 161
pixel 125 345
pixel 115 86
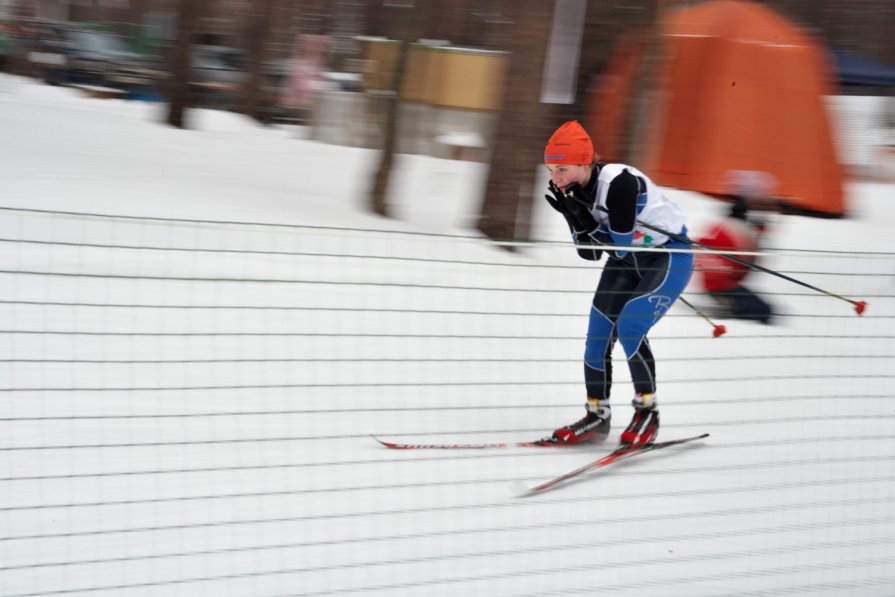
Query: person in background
pixel 304 81
pixel 604 206
pixel 722 279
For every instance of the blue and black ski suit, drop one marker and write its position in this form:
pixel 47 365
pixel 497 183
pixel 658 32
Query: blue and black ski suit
pixel 637 287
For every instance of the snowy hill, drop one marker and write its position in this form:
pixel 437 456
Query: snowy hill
pixel 202 328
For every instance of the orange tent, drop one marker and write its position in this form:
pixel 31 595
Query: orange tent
pixel 738 87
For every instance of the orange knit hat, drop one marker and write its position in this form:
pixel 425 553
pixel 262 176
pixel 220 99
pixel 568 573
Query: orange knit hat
pixel 569 144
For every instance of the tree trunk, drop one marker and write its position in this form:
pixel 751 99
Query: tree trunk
pixel 645 87
pixel 598 39
pixel 523 128
pixel 178 85
pixel 254 92
pixel 413 19
pixel 391 98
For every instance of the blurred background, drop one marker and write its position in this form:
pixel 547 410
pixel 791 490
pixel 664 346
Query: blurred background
pixel 239 237
pixel 488 80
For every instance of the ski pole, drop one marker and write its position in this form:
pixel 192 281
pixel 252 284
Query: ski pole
pixel 719 330
pixel 860 306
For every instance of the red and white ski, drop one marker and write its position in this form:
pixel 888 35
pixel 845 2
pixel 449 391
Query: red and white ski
pixel 620 453
pixel 547 442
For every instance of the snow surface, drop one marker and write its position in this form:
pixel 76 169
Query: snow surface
pixel 190 377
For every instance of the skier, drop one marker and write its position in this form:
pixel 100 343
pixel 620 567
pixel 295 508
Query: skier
pixel 604 204
pixel 721 278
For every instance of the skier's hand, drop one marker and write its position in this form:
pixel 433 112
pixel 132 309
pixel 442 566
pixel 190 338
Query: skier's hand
pixel 576 200
pixel 556 199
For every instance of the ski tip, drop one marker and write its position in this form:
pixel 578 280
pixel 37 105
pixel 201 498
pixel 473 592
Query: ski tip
pixel 398 446
pixel 527 492
pixel 532 491
pixel 391 445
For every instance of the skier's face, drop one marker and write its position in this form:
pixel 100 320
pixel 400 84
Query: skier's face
pixel 564 175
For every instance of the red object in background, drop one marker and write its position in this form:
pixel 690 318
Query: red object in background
pixel 731 234
pixel 738 87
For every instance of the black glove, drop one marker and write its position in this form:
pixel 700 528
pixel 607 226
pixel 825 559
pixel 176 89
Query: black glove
pixel 576 200
pixel 573 206
pixel 580 221
pixel 556 199
pixel 561 203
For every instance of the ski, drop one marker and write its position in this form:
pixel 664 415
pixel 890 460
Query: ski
pixel 620 453
pixel 547 442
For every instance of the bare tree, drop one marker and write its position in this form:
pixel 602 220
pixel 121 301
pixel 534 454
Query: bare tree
pixel 602 28
pixel 411 16
pixel 523 127
pixel 644 89
pixel 178 85
pixel 379 193
pixel 260 26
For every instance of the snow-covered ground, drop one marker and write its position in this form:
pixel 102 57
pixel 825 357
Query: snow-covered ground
pixel 201 329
